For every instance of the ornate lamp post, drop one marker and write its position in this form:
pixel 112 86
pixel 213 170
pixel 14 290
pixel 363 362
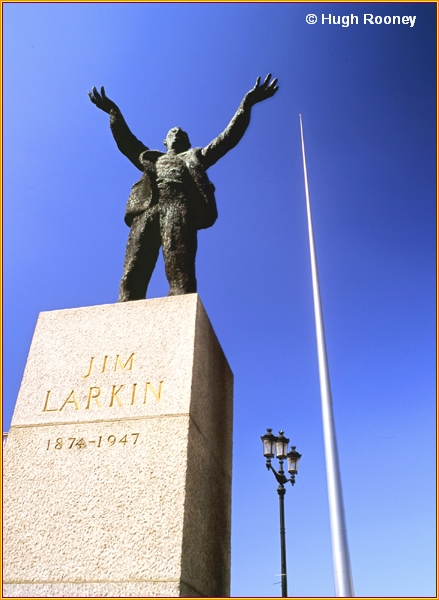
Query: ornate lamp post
pixel 279 445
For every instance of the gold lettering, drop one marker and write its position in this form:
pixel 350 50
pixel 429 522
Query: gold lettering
pixel 134 393
pixel 72 401
pixel 105 364
pixel 90 368
pixel 45 409
pixel 157 395
pixel 119 362
pixel 114 395
pixel 92 396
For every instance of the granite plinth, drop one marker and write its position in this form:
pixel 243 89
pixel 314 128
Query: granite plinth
pixel 117 472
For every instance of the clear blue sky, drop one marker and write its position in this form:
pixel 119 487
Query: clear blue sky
pixel 367 95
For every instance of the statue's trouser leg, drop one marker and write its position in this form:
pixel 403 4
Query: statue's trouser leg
pixel 140 257
pixel 179 239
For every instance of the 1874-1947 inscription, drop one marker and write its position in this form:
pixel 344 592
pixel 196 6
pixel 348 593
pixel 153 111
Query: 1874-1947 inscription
pixel 101 441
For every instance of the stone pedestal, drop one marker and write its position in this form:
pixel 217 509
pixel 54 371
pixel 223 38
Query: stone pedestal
pixel 117 474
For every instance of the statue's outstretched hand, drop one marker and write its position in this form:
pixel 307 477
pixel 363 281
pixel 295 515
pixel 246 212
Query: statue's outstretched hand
pixel 261 92
pixel 101 100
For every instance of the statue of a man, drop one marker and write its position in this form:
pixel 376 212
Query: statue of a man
pixel 174 197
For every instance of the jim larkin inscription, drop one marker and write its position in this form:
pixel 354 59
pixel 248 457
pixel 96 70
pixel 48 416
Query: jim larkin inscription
pixel 174 197
pixel 119 394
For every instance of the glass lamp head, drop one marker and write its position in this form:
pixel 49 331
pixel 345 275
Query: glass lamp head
pixel 293 461
pixel 268 443
pixel 281 446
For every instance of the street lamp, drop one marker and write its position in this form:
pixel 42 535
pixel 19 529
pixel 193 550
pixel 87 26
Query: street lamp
pixel 279 445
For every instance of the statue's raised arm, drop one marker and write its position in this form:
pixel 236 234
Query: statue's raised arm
pixel 234 131
pixel 261 92
pixel 102 101
pixel 126 141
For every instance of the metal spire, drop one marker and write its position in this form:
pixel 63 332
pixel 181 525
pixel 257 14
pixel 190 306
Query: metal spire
pixel 340 551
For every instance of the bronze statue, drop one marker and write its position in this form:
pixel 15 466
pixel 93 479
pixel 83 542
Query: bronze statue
pixel 174 197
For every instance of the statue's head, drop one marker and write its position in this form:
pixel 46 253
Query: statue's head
pixel 177 140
